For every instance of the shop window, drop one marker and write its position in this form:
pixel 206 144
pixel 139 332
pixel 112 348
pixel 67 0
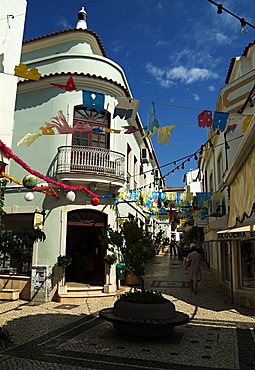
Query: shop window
pixel 248 264
pixel 16 245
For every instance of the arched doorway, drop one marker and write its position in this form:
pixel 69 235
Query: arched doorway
pixel 84 228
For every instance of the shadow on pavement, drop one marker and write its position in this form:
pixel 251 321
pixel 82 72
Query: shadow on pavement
pixel 167 275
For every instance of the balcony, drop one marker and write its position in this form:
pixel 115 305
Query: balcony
pixel 87 165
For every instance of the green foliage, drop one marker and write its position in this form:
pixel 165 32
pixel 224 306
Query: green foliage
pixel 111 258
pixel 134 245
pixel 195 234
pixel 145 296
pixel 64 261
pixel 13 243
pixel 166 240
pixel 5 339
pixel 3 184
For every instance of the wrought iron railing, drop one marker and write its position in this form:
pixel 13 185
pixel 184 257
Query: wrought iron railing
pixel 77 159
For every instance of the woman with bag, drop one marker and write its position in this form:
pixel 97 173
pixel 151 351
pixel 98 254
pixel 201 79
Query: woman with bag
pixel 193 268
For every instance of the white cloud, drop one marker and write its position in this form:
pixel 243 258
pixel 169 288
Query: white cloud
pixel 194 58
pixel 161 43
pixel 63 23
pixel 159 7
pixel 222 39
pixel 168 76
pixel 211 88
pixel 196 97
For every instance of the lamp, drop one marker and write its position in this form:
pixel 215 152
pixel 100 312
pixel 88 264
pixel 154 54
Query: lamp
pixel 244 29
pixel 219 10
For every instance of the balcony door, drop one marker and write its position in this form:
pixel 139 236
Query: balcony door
pixel 98 138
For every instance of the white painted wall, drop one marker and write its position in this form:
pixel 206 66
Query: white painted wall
pixel 12 18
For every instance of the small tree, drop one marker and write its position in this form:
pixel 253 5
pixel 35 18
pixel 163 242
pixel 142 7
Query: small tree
pixel 134 245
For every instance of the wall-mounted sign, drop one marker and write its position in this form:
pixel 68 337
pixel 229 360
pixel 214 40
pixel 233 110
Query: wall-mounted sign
pixel 237 234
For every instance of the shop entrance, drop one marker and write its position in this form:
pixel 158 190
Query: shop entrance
pixel 84 246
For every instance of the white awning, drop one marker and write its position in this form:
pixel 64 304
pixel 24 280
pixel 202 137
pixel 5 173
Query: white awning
pixel 243 232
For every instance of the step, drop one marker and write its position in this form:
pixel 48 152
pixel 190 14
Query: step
pixel 9 294
pixel 84 289
pixel 81 298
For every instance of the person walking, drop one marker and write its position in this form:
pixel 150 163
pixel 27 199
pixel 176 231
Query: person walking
pixel 173 250
pixel 193 268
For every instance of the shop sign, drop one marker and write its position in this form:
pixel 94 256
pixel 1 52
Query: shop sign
pixel 236 235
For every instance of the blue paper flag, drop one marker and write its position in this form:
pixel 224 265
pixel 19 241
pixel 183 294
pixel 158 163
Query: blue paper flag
pixel 152 120
pixel 220 120
pixel 93 100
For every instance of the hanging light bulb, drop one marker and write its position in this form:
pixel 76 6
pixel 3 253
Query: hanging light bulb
pixel 183 165
pixel 219 10
pixel 195 157
pixel 244 27
pixel 29 196
pixel 175 163
pixel 71 196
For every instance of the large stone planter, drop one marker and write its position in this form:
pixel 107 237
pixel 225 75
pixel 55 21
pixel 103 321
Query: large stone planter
pixel 144 320
pixel 131 279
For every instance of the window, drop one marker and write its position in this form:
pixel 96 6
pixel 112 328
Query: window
pixel 129 166
pixel 211 183
pixel 248 263
pixel 99 121
pixel 226 257
pixel 219 169
pixel 135 172
pixel 16 245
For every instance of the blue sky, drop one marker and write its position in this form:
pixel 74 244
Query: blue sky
pixel 173 52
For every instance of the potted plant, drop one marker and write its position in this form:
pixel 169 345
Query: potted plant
pixel 165 244
pixel 141 313
pixel 64 261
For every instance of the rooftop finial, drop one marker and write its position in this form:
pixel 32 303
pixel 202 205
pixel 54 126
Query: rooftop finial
pixel 82 15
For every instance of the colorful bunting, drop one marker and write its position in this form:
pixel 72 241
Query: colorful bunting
pixel 130 129
pixel 220 120
pixel 205 118
pixel 246 123
pixel 126 108
pixel 21 70
pixel 60 123
pixel 152 120
pixel 93 100
pixel 69 86
pixel 28 139
pixel 113 130
pixel 164 134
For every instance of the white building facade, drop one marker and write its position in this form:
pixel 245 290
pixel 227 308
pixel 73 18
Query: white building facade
pixel 103 160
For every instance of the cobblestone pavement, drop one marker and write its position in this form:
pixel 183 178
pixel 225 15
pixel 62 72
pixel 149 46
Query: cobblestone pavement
pixel 220 335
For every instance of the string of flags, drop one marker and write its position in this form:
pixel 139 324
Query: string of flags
pixel 223 121
pixel 126 108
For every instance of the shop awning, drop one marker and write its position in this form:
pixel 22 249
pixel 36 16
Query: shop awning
pixel 243 232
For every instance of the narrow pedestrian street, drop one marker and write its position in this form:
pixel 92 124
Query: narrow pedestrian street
pixel 51 335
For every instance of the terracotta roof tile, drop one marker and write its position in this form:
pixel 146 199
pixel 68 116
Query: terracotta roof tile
pixel 79 74
pixel 70 30
pixel 247 48
pixel 230 69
